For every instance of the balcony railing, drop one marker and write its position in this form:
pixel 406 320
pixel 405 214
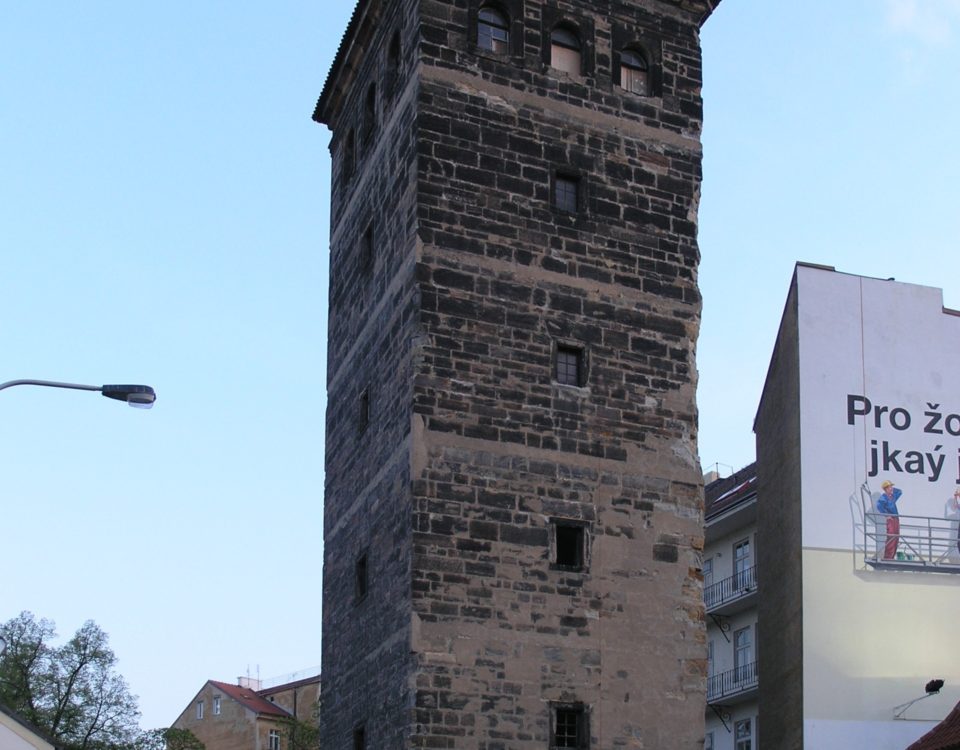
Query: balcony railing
pixel 924 543
pixel 739 682
pixel 736 587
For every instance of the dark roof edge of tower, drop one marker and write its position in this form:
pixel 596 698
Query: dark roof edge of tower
pixel 711 5
pixel 320 113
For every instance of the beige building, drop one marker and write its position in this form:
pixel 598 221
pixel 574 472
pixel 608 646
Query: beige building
pixel 248 717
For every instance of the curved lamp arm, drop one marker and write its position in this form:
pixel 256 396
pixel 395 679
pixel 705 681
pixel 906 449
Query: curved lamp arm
pixel 141 396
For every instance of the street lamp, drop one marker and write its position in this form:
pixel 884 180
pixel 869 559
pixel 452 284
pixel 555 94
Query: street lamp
pixel 140 396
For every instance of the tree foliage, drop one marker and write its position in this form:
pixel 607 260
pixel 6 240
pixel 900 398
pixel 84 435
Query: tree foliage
pixel 72 692
pixel 301 735
pixel 168 739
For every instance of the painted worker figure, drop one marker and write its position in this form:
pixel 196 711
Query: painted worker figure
pixel 952 513
pixel 887 504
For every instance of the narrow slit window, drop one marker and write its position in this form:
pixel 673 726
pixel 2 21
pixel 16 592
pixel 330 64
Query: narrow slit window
pixel 363 418
pixel 361 577
pixel 493 30
pixel 370 115
pixel 569 544
pixel 359 739
pixel 566 193
pixel 349 156
pixel 392 78
pixel 565 51
pixel 634 72
pixel 569 365
pixel 366 249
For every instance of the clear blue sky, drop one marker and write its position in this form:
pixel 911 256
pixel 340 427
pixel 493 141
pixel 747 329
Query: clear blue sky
pixel 163 219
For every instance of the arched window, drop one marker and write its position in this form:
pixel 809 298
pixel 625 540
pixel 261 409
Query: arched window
pixel 370 115
pixel 493 30
pixel 565 50
pixel 634 72
pixel 392 77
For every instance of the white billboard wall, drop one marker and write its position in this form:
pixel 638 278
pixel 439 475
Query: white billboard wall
pixel 879 402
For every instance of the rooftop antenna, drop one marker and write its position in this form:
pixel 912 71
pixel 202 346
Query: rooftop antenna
pixel 715 466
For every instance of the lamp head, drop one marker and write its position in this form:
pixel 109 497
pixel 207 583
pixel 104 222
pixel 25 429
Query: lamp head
pixel 139 396
pixel 934 686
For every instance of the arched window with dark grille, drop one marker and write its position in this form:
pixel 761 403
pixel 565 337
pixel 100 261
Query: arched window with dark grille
pixel 634 72
pixel 565 50
pixel 493 30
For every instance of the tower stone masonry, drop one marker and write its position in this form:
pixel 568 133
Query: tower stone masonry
pixel 512 508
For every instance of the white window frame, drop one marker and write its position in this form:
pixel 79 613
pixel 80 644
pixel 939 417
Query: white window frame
pixel 199 709
pixel 742 562
pixel 273 739
pixel 742 653
pixel 743 740
pixel 216 705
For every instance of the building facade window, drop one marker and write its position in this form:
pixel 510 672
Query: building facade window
pixel 741 564
pixel 566 193
pixel 709 659
pixel 273 739
pixel 569 366
pixel 569 727
pixel 199 709
pixel 634 72
pixel 708 741
pixel 359 738
pixel 569 544
pixel 216 705
pixel 565 51
pixel 493 30
pixel 707 573
pixel 742 654
pixel 361 577
pixel 743 734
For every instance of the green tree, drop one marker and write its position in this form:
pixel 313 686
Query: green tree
pixel 72 692
pixel 300 735
pixel 168 739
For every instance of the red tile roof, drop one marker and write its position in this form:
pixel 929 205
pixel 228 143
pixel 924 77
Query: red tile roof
pixel 944 736
pixel 727 492
pixel 249 699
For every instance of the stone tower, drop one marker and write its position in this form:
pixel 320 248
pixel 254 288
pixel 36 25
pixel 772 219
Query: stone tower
pixel 512 520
